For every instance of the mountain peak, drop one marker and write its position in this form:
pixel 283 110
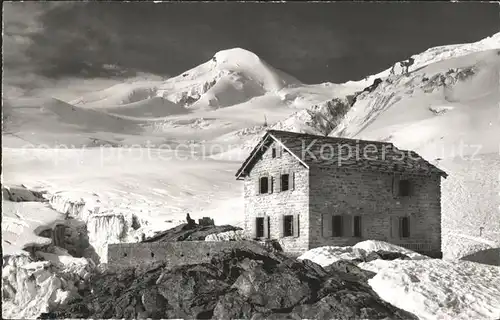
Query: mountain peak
pixel 236 55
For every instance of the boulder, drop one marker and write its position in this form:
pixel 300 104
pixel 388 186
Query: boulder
pixel 233 306
pixel 154 303
pixel 192 292
pixel 278 288
pixel 350 267
pixel 385 255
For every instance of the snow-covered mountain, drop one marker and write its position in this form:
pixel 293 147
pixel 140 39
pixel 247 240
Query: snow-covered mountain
pixel 230 77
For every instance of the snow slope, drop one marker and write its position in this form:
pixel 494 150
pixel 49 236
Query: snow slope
pixel 429 288
pixel 23 221
pixel 106 187
pixel 440 289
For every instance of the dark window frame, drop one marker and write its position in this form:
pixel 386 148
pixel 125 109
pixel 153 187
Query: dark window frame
pixel 264 186
pixel 404 227
pixel 337 226
pixel 288 226
pixel 259 232
pixel 285 181
pixel 404 188
pixel 357 225
pixel 273 153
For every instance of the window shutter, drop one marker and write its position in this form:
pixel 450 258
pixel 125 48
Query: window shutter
pixel 291 180
pixel 411 221
pixel 395 227
pixel 413 226
pixel 257 186
pixel 270 184
pixel 282 225
pixel 278 151
pixel 278 183
pixel 395 185
pixel 327 225
pixel 296 225
pixel 266 227
pixel 347 226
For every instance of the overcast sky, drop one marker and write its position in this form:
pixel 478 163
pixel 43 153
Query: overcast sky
pixel 315 42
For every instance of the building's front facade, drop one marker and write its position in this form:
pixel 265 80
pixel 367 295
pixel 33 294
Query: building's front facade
pixel 307 202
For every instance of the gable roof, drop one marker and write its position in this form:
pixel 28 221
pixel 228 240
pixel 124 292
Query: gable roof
pixel 313 150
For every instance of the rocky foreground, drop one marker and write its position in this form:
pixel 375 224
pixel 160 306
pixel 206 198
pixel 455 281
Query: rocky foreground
pixel 238 283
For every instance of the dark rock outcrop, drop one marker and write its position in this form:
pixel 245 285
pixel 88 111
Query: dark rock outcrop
pixel 373 86
pixel 385 255
pixel 21 194
pixel 238 284
pixel 186 232
pixel 350 267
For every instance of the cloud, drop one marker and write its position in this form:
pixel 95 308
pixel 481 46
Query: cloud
pixel 312 41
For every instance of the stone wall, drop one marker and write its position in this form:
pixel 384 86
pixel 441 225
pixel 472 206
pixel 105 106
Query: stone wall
pixel 369 194
pixel 173 253
pixel 276 204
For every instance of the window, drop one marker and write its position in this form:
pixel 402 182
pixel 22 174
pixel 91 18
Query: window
pixel 288 226
pixel 357 226
pixel 273 152
pixel 404 188
pixel 337 226
pixel 259 232
pixel 285 179
pixel 404 227
pixel 264 185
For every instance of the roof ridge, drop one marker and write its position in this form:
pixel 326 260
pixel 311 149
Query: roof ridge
pixel 271 131
pixel 291 139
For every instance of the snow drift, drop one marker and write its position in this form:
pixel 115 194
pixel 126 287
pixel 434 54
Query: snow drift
pixel 428 288
pixel 438 289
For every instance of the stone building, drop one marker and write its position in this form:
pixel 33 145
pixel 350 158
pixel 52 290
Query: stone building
pixel 310 191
